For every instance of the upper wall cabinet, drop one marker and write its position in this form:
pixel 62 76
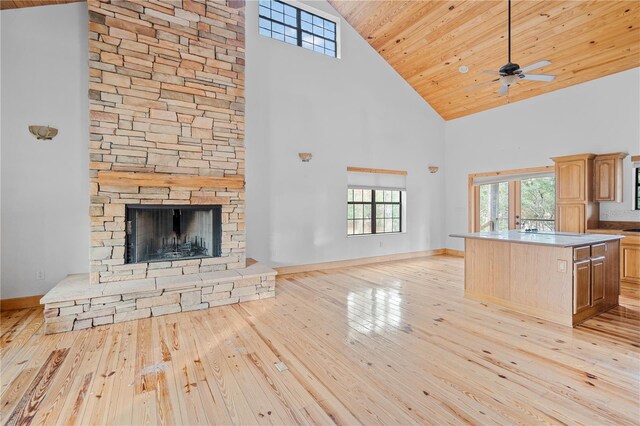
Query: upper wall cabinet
pixel 608 177
pixel 576 210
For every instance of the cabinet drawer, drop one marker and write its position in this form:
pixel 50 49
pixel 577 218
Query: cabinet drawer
pixel 581 253
pixel 598 250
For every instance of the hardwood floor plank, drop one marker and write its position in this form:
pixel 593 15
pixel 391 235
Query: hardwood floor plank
pixel 393 343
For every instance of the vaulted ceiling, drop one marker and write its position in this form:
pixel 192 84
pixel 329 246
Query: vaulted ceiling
pixel 15 4
pixel 427 41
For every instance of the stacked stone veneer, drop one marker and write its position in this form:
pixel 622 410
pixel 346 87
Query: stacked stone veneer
pixel 166 99
pixel 74 304
pixel 167 127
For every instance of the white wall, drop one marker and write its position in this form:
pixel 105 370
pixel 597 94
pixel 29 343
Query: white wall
pixel 353 111
pixel 44 78
pixel 599 116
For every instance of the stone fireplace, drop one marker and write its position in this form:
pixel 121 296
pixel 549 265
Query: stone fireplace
pixel 166 150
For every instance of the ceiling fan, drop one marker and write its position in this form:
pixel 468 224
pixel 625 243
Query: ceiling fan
pixel 511 73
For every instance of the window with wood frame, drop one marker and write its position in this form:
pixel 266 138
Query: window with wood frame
pixel 512 199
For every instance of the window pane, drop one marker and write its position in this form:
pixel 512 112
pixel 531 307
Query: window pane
pixel 367 226
pixel 349 194
pixel 395 196
pixel 349 227
pixel 396 210
pixel 388 210
pixel 388 225
pixel 387 196
pixel 358 211
pixel 318 30
pixel 306 26
pixel 396 225
pixel 367 211
pixel 379 225
pixel 291 20
pixel 357 195
pixel 350 211
pixel 317 20
pixel 305 16
pixel 265 12
pixel 291 11
pixel 380 211
pixel 307 45
pixel 328 25
pixel 366 195
pixel 265 32
pixel 276 5
pixel 379 196
pixel 358 227
pixel 277 16
pixel 265 23
pixel 277 36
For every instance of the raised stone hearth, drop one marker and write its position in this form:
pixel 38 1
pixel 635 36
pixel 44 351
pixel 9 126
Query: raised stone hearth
pixel 74 304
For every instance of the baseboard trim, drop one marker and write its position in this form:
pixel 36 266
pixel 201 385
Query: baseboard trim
pixel 283 270
pixel 20 303
pixel 452 252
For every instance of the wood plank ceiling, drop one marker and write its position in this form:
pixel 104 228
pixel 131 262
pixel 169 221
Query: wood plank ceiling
pixel 16 4
pixel 427 41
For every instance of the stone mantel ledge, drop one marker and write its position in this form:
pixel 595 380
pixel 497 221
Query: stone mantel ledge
pixel 76 286
pixel 74 303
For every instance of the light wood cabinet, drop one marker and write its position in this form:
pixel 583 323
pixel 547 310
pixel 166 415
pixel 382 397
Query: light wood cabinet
pixel 571 180
pixel 576 210
pixel 598 279
pixel 581 286
pixel 608 177
pixel 571 217
pixel 630 262
pixel 595 279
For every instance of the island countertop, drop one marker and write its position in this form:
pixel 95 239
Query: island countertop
pixel 555 239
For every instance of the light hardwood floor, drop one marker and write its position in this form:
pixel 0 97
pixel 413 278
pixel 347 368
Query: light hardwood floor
pixel 392 343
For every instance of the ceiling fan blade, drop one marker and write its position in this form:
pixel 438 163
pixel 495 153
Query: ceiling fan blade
pixel 490 72
pixel 503 90
pixel 537 65
pixel 481 85
pixel 539 77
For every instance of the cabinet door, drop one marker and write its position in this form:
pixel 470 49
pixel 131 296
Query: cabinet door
pixel 630 263
pixel 598 278
pixel 581 285
pixel 570 181
pixel 605 171
pixel 570 218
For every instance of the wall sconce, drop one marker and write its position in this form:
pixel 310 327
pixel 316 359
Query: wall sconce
pixel 305 156
pixel 43 133
pixel 433 169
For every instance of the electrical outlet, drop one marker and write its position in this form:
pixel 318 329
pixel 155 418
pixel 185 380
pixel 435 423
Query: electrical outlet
pixel 40 275
pixel 562 265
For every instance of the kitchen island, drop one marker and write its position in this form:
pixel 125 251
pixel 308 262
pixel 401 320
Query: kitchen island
pixel 561 277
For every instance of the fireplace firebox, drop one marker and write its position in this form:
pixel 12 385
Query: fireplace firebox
pixel 157 233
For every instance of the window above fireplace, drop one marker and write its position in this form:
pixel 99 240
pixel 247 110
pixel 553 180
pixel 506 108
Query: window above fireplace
pixel 160 233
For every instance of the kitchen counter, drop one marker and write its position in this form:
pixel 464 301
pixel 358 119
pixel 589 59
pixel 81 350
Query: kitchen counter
pixel 561 277
pixel 556 239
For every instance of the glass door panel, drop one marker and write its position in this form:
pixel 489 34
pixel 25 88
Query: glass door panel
pixel 537 204
pixel 494 207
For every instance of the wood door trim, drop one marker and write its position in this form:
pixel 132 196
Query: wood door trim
pixel 377 171
pixel 541 169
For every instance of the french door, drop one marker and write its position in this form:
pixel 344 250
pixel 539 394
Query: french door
pixel 507 202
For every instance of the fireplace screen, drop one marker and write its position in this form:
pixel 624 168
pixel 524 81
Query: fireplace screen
pixel 161 233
